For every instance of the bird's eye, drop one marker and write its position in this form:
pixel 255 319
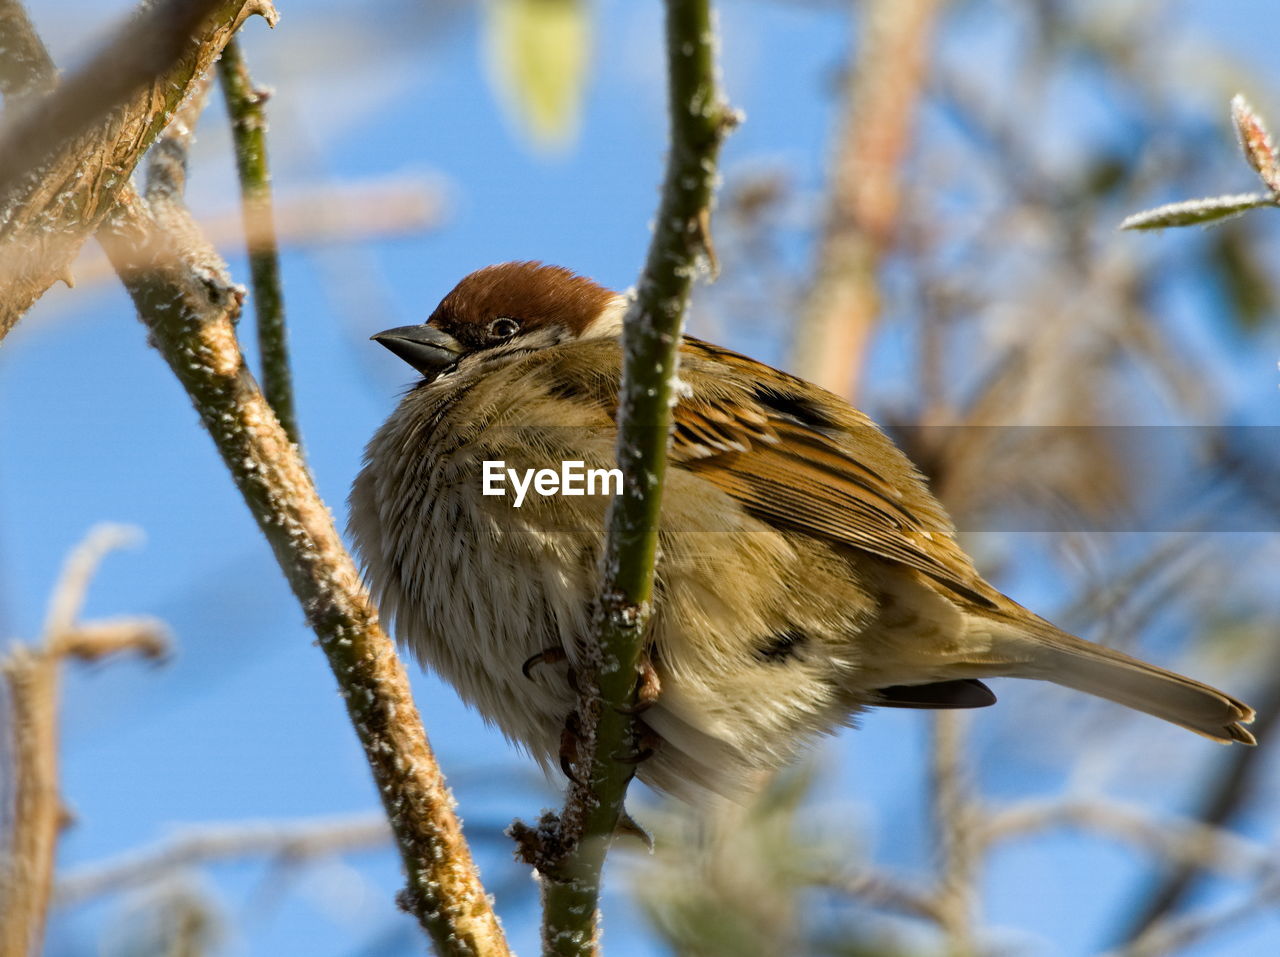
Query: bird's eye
pixel 503 328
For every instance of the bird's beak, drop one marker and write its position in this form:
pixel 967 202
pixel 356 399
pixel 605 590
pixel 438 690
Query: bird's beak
pixel 425 348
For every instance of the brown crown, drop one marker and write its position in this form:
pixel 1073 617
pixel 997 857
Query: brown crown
pixel 529 292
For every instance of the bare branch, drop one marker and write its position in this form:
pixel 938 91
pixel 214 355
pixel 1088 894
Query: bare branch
pixel 189 307
pixel 27 878
pixel 336 213
pixel 69 594
pixel 1255 143
pixel 26 870
pixel 881 94
pixel 956 831
pixel 148 637
pixel 1232 783
pixel 288 842
pixel 1181 841
pixel 25 67
pixel 185 296
pixel 884 893
pixel 145 47
pixel 1168 936
pixel 65 157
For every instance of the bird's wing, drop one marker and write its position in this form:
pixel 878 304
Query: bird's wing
pixel 796 457
pixel 802 459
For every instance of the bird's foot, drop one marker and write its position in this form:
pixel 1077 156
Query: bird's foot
pixel 571 747
pixel 547 656
pixel 648 689
pixel 630 827
pixel 550 656
pixel 644 742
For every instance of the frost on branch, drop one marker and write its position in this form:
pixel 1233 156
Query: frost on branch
pixel 1192 212
pixel 1255 143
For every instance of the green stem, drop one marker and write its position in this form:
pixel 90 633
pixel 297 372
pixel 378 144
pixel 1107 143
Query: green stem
pixel 249 130
pixel 652 332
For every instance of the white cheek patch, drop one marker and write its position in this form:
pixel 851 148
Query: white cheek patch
pixel 609 322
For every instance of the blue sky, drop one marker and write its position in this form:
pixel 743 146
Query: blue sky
pixel 244 723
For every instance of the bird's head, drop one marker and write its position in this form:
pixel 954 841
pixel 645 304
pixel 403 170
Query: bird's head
pixel 507 307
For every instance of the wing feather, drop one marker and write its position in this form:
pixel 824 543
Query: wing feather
pixel 795 456
pixel 804 460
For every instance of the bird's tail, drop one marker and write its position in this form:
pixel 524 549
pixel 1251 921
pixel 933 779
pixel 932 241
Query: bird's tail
pixel 1038 649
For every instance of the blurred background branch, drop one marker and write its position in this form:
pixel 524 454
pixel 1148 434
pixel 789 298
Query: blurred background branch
pixel 289 843
pixel 328 215
pixel 32 676
pixel 861 212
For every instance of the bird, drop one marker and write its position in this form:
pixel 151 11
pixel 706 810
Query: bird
pixel 805 573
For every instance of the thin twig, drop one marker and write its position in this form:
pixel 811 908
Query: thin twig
pixel 64 157
pixel 955 821
pixel 289 842
pixel 189 306
pixel 883 893
pixel 100 639
pixel 883 88
pixel 249 130
pixel 32 673
pixel 1172 934
pixel 331 214
pixel 569 851
pixel 73 584
pixel 1181 841
pixel 1232 785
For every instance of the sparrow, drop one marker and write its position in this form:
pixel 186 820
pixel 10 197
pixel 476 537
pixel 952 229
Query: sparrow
pixel 805 572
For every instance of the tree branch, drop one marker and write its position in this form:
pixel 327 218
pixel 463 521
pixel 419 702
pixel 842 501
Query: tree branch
pixel 955 831
pixel 66 156
pixel 569 851
pixel 249 130
pixel 1171 934
pixel 26 877
pixel 187 301
pixel 189 307
pixel 328 214
pixel 289 842
pixel 25 67
pixel 885 893
pixel 883 87
pixel 1232 783
pixel 1182 841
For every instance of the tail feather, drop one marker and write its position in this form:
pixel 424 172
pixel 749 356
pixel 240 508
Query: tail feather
pixel 1043 651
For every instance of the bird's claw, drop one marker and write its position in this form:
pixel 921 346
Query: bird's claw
pixel 571 746
pixel 648 690
pixel 547 656
pixel 644 742
pixel 630 827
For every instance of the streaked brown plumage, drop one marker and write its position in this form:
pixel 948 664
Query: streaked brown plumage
pixel 806 572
